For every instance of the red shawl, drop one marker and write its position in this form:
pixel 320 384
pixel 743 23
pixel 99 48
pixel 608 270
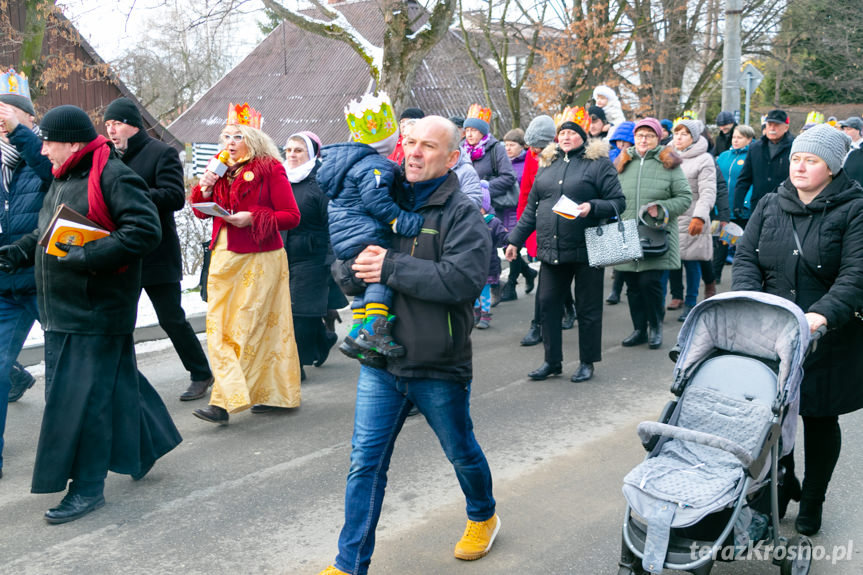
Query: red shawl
pixel 101 152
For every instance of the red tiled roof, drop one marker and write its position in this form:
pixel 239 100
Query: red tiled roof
pixel 302 81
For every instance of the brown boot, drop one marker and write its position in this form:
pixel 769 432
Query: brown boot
pixel 709 290
pixel 675 304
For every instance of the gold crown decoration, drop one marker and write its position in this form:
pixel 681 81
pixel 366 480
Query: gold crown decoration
pixel 814 117
pixel 15 83
pixel 577 115
pixel 690 115
pixel 245 115
pixel 480 113
pixel 371 118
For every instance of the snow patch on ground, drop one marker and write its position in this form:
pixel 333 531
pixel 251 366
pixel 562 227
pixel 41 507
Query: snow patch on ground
pixel 191 302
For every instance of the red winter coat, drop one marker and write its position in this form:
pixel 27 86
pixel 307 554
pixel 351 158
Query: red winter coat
pixel 262 188
pixel 531 165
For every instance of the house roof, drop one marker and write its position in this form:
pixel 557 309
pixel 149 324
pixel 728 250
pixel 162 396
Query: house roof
pixel 302 81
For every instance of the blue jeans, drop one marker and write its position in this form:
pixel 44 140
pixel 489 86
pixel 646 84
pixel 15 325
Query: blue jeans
pixel 17 314
pixel 383 402
pixel 693 281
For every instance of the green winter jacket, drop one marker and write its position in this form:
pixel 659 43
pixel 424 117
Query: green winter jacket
pixel 656 178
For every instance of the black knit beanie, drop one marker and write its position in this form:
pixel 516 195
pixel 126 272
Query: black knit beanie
pixel 575 127
pixel 67 124
pixel 20 102
pixel 124 110
pixel 412 114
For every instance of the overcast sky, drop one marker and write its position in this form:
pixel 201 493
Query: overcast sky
pixel 111 25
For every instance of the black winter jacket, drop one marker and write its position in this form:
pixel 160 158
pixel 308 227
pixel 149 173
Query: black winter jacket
pixel 854 165
pixel 827 278
pixel 308 249
pixel 20 207
pixel 584 174
pixel 761 171
pixel 435 277
pixel 101 298
pixel 159 165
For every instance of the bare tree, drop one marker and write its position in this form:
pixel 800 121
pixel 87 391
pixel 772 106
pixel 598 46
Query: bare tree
pixel 180 54
pixel 590 49
pixel 507 33
pixel 410 32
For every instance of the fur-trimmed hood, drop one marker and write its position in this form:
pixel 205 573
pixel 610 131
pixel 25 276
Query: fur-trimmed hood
pixel 593 150
pixel 667 156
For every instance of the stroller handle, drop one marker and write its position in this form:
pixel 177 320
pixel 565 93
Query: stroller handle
pixel 647 429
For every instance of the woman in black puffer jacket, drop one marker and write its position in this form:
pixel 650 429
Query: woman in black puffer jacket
pixel 805 243
pixel 586 176
pixel 309 252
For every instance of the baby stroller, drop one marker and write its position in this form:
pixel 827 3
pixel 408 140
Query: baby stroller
pixel 707 490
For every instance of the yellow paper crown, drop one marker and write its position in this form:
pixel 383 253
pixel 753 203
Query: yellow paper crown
pixel 690 115
pixel 245 115
pixel 480 113
pixel 577 115
pixel 15 83
pixel 371 118
pixel 814 117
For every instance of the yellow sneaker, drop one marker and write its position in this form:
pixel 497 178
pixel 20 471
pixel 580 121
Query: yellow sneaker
pixel 331 570
pixel 477 539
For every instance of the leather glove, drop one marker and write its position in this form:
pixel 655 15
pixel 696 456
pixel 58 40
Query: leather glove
pixel 696 225
pixel 12 257
pixel 76 256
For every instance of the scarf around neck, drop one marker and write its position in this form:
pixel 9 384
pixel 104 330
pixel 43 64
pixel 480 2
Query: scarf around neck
pixel 101 151
pixel 10 159
pixel 477 151
pixel 301 172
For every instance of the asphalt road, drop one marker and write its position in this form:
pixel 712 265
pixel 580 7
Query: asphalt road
pixel 265 494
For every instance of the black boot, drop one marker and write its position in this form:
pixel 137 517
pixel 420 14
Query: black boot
pixel 529 277
pixel 654 337
pixel 213 414
pixel 809 519
pixel 534 334
pixel 74 506
pixel 376 335
pixel 569 318
pixel 637 337
pixel 787 490
pixel 508 291
pixel 545 371
pixel 21 380
pixel 583 373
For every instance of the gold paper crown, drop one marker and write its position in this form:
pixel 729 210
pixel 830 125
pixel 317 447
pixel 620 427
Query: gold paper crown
pixel 814 117
pixel 480 113
pixel 245 115
pixel 690 115
pixel 371 118
pixel 577 115
pixel 14 83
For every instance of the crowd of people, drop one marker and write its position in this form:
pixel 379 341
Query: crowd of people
pixel 406 219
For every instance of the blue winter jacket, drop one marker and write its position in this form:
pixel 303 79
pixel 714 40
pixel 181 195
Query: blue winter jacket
pixel 624 132
pixel 30 180
pixel 730 164
pixel 358 182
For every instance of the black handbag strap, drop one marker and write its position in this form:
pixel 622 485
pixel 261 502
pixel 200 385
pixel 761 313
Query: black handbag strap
pixel 809 269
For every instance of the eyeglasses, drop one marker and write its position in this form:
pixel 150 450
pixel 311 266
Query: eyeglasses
pixel 646 136
pixel 231 137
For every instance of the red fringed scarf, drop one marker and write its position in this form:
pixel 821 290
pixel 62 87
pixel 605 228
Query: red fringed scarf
pixel 101 152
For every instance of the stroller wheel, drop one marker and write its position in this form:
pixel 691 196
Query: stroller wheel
pixel 628 571
pixel 798 558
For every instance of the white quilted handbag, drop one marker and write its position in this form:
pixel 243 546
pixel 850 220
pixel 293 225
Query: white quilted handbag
pixel 613 244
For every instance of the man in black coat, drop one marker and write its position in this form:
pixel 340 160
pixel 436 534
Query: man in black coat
pixel 159 165
pixel 100 413
pixel 766 165
pixel 726 123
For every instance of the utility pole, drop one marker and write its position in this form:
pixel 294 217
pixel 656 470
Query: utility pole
pixel 731 58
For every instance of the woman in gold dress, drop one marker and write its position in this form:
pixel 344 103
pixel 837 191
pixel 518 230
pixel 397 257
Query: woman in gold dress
pixel 250 335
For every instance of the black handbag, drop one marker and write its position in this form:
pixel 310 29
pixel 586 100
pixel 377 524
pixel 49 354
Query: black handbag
pixel 654 240
pixel 506 201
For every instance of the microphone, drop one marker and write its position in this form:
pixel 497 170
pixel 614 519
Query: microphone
pixel 218 165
